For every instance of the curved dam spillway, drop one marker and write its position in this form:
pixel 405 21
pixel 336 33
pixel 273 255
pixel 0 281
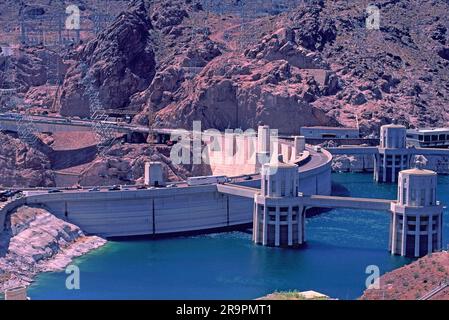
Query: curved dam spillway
pixel 315 166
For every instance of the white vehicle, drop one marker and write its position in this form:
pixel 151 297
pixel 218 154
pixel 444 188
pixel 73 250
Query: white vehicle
pixel 199 181
pixel 317 148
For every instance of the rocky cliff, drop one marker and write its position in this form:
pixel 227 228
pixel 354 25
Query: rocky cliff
pixel 36 241
pixel 125 164
pixel 414 280
pixel 112 67
pixel 316 64
pixel 176 61
pixel 22 165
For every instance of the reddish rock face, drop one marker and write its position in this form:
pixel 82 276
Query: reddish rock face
pixel 154 53
pixel 413 281
pixel 239 93
pixel 315 65
pixel 23 165
pixel 124 164
pixel 117 64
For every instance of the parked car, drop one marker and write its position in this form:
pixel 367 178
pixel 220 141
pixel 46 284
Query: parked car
pixel 10 193
pixel 114 188
pixel 96 189
pixel 54 191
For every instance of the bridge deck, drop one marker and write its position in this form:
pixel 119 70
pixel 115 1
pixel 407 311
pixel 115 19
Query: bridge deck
pixel 237 190
pixel 315 201
pixel 347 202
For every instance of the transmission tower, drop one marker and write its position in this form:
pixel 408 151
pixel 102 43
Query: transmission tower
pixel 103 129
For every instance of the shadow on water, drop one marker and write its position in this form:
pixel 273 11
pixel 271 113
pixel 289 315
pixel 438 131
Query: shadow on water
pixel 340 190
pixel 245 228
pixel 337 190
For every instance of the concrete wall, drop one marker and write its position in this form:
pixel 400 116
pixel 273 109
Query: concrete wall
pixel 438 163
pixel 11 125
pixel 7 208
pixel 344 142
pixel 148 212
pixel 353 163
pixel 316 181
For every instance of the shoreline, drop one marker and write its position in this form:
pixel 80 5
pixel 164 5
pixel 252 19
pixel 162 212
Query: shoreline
pixel 35 242
pixel 414 281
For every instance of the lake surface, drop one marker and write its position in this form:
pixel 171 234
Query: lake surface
pixel 340 245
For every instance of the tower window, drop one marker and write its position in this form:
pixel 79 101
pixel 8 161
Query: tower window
pixel 422 201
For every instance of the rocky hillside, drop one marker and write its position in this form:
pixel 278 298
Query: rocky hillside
pixel 125 164
pixel 413 281
pixel 112 67
pixel 176 61
pixel 35 66
pixel 398 73
pixel 316 64
pixel 22 165
pixel 36 241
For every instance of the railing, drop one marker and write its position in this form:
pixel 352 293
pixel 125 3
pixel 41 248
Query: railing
pixel 435 291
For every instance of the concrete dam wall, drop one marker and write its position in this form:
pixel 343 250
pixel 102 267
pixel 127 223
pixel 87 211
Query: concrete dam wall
pixel 148 212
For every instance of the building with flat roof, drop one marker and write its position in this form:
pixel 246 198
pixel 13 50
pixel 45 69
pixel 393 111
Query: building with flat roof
pixel 428 137
pixel 322 132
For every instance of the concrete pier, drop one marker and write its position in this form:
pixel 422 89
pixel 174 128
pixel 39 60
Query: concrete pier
pixel 390 157
pixel 278 216
pixel 393 155
pixel 416 218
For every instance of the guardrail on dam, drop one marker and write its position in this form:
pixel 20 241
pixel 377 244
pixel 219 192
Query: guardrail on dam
pixel 145 212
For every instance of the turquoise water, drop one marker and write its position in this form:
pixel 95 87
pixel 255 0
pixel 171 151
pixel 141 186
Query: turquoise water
pixel 340 245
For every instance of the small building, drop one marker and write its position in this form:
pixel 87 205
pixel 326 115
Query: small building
pixel 428 138
pixel 322 132
pixel 154 174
